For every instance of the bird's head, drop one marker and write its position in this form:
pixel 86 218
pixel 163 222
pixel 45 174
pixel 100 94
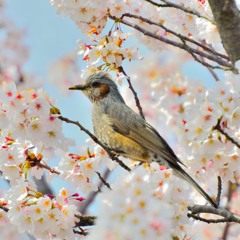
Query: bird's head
pixel 98 86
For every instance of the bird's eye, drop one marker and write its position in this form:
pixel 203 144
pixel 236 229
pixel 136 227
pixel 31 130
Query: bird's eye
pixel 95 84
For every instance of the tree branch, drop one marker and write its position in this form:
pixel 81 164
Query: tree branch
pixel 110 154
pixel 181 8
pixel 196 217
pixel 227 18
pixel 180 36
pixel 226 215
pixel 196 58
pixel 229 197
pixel 225 65
pixel 134 93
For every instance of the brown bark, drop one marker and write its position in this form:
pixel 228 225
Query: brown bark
pixel 227 18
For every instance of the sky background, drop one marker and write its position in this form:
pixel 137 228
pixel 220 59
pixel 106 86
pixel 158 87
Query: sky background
pixel 49 35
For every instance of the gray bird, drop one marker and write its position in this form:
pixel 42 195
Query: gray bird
pixel 125 132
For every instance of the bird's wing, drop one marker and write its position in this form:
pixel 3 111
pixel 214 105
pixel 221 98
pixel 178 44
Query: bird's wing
pixel 128 123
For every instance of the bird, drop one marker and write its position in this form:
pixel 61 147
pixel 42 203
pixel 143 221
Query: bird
pixel 125 133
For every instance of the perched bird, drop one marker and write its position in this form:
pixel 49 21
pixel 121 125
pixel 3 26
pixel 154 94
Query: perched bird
pixel 125 132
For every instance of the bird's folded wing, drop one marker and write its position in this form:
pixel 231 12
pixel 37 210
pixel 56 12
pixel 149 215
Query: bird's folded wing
pixel 128 123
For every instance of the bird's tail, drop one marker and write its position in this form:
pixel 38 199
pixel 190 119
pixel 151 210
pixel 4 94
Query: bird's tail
pixel 182 174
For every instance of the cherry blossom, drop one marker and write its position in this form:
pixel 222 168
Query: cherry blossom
pixel 40 215
pixel 161 215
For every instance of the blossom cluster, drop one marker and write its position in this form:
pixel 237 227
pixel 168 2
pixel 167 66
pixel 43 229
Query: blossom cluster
pixel 31 135
pixel 107 49
pixel 42 216
pixel 81 169
pixel 29 132
pixel 8 230
pixel 195 113
pixel 192 19
pixel 89 17
pixel 143 205
pixel 198 117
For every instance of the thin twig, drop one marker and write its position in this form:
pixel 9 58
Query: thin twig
pixel 85 221
pixel 39 164
pixel 182 8
pixel 226 231
pixel 134 92
pixel 5 209
pixel 219 190
pixel 83 233
pixel 103 180
pixel 228 137
pixel 215 76
pixel 229 197
pixel 90 199
pixel 94 138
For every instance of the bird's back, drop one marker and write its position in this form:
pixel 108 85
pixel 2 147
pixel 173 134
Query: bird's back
pixel 105 118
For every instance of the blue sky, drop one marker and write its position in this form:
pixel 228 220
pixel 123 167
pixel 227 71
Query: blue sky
pixel 49 35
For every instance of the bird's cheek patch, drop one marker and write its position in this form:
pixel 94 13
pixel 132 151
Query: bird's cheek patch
pixel 104 90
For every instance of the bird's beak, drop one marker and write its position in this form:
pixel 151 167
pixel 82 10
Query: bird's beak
pixel 78 87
